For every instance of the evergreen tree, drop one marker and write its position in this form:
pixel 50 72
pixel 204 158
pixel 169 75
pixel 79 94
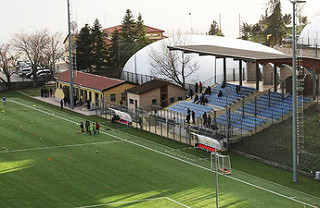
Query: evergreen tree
pixel 127 42
pixel 215 29
pixel 142 39
pixel 275 26
pixel 113 51
pixel 98 46
pixel 84 49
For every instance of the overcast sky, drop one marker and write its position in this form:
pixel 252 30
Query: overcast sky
pixel 169 15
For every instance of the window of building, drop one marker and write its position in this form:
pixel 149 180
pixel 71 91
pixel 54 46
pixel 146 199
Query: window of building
pixel 154 101
pixel 172 100
pixel 123 96
pixel 113 97
pixel 131 101
pixel 156 35
pixel 179 98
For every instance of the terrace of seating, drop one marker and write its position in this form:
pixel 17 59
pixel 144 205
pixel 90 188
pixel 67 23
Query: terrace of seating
pixel 182 107
pixel 271 105
pixel 236 120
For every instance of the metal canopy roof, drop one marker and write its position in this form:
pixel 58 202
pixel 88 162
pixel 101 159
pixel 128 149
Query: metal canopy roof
pixel 247 55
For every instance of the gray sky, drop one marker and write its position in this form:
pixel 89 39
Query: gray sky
pixel 169 15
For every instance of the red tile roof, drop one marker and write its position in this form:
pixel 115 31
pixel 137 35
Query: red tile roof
pixel 119 27
pixel 89 80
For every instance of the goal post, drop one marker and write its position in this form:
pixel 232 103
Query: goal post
pixel 212 145
pixel 223 163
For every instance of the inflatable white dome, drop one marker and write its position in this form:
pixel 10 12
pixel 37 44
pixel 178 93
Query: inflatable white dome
pixel 140 62
pixel 310 34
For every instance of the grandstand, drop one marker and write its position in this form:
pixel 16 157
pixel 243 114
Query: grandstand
pixel 257 109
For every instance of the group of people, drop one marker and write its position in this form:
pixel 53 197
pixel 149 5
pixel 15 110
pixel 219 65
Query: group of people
pixel 206 119
pixel 45 92
pixel 191 114
pixel 91 129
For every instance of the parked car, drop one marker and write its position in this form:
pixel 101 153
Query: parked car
pixel 42 73
pixel 22 72
pixel 288 40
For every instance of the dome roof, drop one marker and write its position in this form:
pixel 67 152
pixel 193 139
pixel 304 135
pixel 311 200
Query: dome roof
pixel 140 62
pixel 310 34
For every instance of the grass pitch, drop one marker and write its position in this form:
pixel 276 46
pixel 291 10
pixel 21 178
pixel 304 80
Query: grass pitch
pixel 44 162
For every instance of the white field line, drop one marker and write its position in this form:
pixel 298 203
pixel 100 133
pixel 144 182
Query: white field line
pixel 57 147
pixel 123 202
pixel 190 163
pixel 177 202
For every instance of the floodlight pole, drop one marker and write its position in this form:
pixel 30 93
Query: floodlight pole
pixel 294 99
pixel 216 174
pixel 215 161
pixel 70 58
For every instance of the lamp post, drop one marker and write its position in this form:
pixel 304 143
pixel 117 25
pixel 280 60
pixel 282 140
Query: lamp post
pixel 70 59
pixel 294 98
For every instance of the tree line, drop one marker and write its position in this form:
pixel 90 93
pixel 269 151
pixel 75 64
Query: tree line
pixel 92 52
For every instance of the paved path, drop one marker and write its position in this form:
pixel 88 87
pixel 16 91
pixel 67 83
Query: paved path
pixel 79 109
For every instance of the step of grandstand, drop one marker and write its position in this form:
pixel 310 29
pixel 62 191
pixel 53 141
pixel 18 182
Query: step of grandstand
pixel 247 123
pixel 182 107
pixel 271 105
pixel 222 96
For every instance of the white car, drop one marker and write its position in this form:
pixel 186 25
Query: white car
pixel 41 73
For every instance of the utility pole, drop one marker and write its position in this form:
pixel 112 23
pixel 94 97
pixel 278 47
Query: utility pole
pixel 70 58
pixel 294 95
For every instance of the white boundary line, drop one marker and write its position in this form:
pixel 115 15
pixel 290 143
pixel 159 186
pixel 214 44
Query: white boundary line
pixel 177 202
pixel 57 147
pixel 134 201
pixel 173 157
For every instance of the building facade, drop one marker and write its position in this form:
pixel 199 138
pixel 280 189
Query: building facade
pixel 93 88
pixel 154 93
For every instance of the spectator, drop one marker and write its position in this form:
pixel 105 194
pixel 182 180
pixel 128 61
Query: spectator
pixel 202 100
pixel 188 118
pixel 81 127
pixel 51 92
pixel 140 122
pixel 200 86
pixel 209 120
pixel 193 117
pixel 88 104
pixel 204 119
pixel 196 98
pixel 196 88
pixel 205 101
pixel 4 100
pixel 220 94
pixel 190 93
pixel 238 89
pixel 97 127
pixel 61 103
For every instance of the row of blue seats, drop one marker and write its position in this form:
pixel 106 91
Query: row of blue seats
pixel 195 106
pixel 236 125
pixel 240 119
pixel 248 117
pixel 266 114
pixel 185 111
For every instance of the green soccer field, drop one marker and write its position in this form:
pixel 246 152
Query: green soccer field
pixel 44 162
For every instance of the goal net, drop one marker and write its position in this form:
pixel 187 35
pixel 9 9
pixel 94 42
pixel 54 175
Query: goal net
pixel 223 163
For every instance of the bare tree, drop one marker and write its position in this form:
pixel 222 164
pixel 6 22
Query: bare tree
pixel 6 62
pixel 53 52
pixel 173 65
pixel 32 46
